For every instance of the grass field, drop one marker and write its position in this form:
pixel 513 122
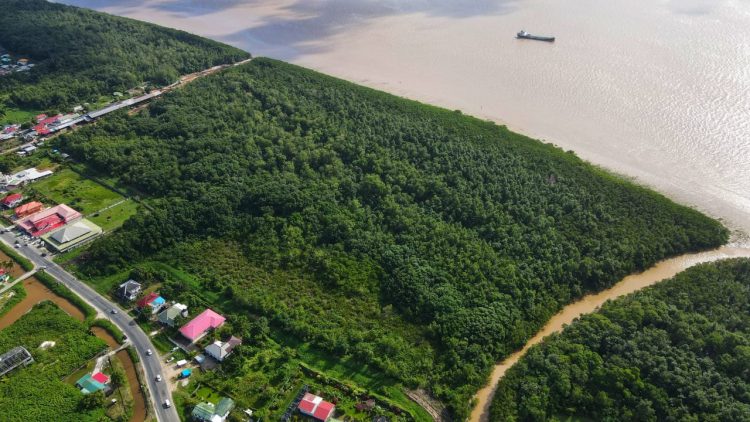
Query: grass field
pixel 67 187
pixel 86 196
pixel 116 216
pixel 14 115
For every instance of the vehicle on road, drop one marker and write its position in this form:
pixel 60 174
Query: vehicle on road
pixel 113 311
pixel 18 246
pixel 167 404
pixel 43 267
pixel 44 254
pixel 149 352
pixel 158 378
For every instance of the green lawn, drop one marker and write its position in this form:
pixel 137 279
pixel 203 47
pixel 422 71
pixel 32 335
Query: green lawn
pixel 14 115
pixel 67 187
pixel 116 216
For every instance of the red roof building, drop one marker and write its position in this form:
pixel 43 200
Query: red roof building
pixel 28 209
pixel 100 378
pixel 316 407
pixel 41 127
pixel 48 220
pixel 146 300
pixel 199 326
pixel 12 200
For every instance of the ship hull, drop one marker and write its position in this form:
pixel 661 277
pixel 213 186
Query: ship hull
pixel 536 38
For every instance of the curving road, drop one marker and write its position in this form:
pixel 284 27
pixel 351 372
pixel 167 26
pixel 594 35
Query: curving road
pixel 159 391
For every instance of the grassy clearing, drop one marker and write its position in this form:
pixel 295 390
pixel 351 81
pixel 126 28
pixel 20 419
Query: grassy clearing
pixel 15 115
pixel 116 216
pixel 68 187
pixel 10 298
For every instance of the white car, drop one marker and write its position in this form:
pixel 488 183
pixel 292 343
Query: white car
pixel 167 403
pixel 149 352
pixel 158 378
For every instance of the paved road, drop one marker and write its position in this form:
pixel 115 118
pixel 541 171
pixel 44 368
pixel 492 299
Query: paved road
pixel 159 391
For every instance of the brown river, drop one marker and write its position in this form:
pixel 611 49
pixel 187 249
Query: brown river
pixel 37 292
pixel 590 303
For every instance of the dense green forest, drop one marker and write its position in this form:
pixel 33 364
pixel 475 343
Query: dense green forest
pixel 425 243
pixel 36 393
pixel 81 54
pixel 678 351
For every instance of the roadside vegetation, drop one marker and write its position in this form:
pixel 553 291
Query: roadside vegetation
pixel 679 350
pixel 61 290
pixel 20 260
pixel 82 55
pixel 11 298
pixel 421 243
pixel 36 393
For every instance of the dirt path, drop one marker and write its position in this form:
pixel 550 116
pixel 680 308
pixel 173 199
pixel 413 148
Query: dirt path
pixel 590 303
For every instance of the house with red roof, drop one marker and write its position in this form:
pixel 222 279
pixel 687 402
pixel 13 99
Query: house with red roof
pixel 151 301
pixel 200 325
pixel 42 126
pixel 45 221
pixel 28 208
pixel 12 200
pixel 315 406
pixel 99 377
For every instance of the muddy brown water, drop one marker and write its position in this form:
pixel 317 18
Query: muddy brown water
pixel 139 404
pixel 37 292
pixel 590 303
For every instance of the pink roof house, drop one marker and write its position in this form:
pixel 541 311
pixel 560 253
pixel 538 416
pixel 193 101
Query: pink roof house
pixel 199 326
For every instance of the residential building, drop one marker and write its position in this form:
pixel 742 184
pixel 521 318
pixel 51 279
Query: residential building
pixel 12 200
pixel 171 315
pixel 219 350
pixel 22 177
pixel 13 358
pixel 93 383
pixel 28 208
pixel 152 303
pixel 223 407
pixel 45 221
pixel 129 290
pixel 208 412
pixel 315 406
pixel 203 411
pixel 200 325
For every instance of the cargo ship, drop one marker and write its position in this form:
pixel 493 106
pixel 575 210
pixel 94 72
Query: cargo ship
pixel 525 35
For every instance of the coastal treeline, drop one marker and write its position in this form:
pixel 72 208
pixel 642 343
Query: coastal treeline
pixel 678 351
pixel 426 243
pixel 80 55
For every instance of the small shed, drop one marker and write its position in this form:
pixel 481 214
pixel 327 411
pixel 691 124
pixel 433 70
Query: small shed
pixel 185 373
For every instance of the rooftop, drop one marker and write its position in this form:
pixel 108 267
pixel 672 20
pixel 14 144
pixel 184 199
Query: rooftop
pixel 199 325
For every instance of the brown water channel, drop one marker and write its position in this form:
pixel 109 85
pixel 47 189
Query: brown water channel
pixel 590 303
pixel 37 292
